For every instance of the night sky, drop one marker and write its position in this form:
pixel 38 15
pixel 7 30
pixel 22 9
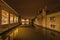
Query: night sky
pixel 30 8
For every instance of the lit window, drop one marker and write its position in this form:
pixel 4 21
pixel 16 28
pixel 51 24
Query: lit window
pixel 11 18
pixel 52 18
pixel 15 19
pixel 23 21
pixel 5 17
pixel 27 21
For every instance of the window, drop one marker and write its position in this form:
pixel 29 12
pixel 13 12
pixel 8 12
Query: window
pixel 53 26
pixel 15 19
pixel 5 17
pixel 27 21
pixel 23 21
pixel 11 18
pixel 52 18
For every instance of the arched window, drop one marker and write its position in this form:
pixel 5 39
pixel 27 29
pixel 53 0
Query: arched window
pixel 15 19
pixel 11 18
pixel 5 17
pixel 27 21
pixel 23 21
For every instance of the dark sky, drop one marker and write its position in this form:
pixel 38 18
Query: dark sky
pixel 30 8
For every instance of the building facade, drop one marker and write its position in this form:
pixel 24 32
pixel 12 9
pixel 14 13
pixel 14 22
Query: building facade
pixel 50 21
pixel 53 21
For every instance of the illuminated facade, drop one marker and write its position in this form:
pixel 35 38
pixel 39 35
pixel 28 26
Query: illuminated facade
pixel 50 21
pixel 53 21
pixel 41 19
pixel 7 16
